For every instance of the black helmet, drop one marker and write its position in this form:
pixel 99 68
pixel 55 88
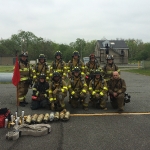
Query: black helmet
pixel 42 56
pixel 58 53
pixel 42 76
pixel 76 69
pixel 109 57
pixel 76 53
pixel 97 72
pixel 56 74
pixel 25 54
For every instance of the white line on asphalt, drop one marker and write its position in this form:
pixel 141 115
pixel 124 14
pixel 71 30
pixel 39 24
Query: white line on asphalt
pixel 113 114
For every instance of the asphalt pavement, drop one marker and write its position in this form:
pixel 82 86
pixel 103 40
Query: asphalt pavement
pixel 93 129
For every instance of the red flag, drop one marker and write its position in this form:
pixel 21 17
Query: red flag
pixel 16 74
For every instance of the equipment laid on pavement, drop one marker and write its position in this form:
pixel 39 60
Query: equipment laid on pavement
pixel 34 118
pixel 40 118
pixel 24 129
pixel 51 117
pixel 56 116
pixel 67 116
pixel 46 118
pixel 62 114
pixel 127 98
pixel 4 117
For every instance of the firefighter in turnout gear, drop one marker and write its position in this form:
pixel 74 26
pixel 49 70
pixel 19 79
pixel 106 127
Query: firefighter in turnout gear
pixel 40 93
pixel 75 62
pixel 109 68
pixel 25 79
pixel 40 68
pixel 77 88
pixel 98 91
pixel 58 65
pixel 117 88
pixel 91 66
pixel 57 92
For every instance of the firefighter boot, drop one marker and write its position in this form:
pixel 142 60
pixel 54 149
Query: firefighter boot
pixel 62 114
pixel 46 118
pixel 34 118
pixel 28 119
pixel 67 116
pixel 40 118
pixel 56 116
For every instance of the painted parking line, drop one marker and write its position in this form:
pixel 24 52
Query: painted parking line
pixel 113 114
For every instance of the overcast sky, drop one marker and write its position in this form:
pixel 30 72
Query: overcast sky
pixel 63 21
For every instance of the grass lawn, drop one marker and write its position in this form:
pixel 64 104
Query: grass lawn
pixel 6 68
pixel 140 71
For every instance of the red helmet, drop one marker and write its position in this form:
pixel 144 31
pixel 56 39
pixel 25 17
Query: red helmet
pixel 92 56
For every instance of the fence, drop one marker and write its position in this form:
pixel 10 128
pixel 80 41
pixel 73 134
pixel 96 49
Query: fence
pixel 145 64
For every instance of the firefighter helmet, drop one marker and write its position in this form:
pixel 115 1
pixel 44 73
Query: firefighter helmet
pixel 76 69
pixel 76 53
pixel 58 53
pixel 24 54
pixel 109 57
pixel 56 74
pixel 97 72
pixel 42 56
pixel 92 56
pixel 42 76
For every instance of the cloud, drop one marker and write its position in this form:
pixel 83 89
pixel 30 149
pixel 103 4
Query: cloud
pixel 65 21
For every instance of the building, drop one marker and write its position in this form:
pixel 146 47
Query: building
pixel 117 48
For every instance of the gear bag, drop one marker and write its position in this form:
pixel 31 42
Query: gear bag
pixel 4 113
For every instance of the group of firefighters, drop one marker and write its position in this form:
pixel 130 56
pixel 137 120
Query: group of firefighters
pixel 86 83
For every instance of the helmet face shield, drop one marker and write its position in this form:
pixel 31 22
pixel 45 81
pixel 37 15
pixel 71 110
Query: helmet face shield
pixel 42 76
pixel 76 53
pixel 58 53
pixel 24 54
pixel 42 57
pixel 109 57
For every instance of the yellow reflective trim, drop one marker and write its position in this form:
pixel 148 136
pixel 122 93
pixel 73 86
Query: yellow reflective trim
pixel 85 84
pixel 90 88
pixel 23 79
pixel 54 99
pixel 34 89
pixel 101 93
pixel 109 72
pixel 33 70
pixel 93 93
pixel 37 93
pixel 34 77
pixel 96 90
pixel 50 91
pixel 51 74
pixel 21 98
pixel 51 99
pixel 73 92
pixel 105 88
pixel 84 91
pixel 62 90
pixel 69 86
pixel 64 87
pixel 82 73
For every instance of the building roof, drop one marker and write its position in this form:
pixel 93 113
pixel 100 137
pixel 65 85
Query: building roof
pixel 116 44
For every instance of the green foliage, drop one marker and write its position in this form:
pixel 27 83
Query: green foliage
pixel 140 71
pixel 27 41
